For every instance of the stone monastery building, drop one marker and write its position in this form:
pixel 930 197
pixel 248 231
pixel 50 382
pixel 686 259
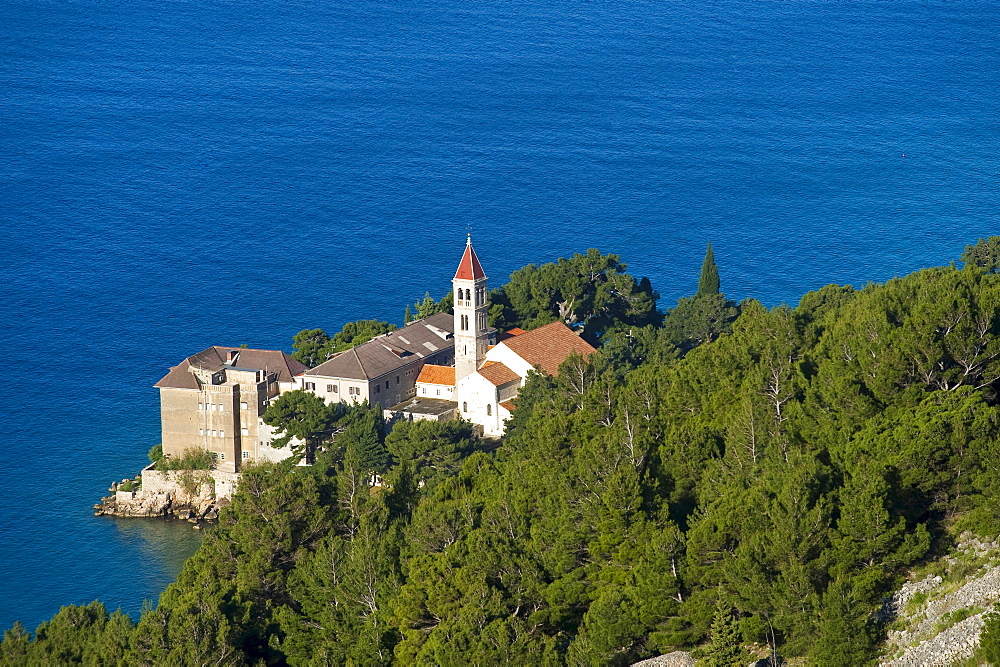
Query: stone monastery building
pixel 214 401
pixel 439 367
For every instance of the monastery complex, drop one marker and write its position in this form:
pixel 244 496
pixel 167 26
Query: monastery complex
pixel 444 366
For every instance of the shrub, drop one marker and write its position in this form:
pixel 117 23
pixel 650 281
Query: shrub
pixel 155 454
pixel 192 459
pixel 989 640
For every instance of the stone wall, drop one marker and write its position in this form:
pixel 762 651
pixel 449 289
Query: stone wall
pixel 186 494
pixel 925 633
pixel 205 484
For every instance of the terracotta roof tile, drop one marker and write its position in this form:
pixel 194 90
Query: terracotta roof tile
pixel 469 268
pixel 498 374
pixel 507 405
pixel 433 374
pixel 510 333
pixel 548 346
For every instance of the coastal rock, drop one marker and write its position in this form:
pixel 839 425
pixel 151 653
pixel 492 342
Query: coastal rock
pixel 136 504
pixel 185 495
pixel 675 659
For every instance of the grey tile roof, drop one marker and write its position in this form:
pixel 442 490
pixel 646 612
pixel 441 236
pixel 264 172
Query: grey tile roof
pixel 391 351
pixel 275 361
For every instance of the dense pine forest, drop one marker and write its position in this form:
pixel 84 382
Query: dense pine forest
pixel 718 476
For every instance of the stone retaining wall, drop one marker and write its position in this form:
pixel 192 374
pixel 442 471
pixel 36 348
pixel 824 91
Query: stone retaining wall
pixel 186 494
pixel 207 483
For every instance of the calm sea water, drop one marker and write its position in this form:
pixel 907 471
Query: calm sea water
pixel 177 174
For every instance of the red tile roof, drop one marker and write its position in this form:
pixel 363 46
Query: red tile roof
pixel 498 374
pixel 433 374
pixel 510 333
pixel 507 405
pixel 469 268
pixel 548 346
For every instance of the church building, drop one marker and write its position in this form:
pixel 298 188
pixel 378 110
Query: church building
pixel 487 374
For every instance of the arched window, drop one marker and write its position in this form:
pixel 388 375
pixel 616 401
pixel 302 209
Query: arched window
pixel 468 295
pixel 465 406
pixel 489 410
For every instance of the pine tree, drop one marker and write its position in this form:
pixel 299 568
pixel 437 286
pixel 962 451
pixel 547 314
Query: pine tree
pixel 408 315
pixel 708 283
pixel 725 648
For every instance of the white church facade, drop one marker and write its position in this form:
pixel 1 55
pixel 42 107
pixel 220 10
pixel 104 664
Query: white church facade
pixel 489 370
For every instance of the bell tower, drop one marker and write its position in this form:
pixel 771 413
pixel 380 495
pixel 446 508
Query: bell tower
pixel 472 333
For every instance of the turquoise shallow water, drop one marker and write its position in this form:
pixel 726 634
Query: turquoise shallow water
pixel 180 174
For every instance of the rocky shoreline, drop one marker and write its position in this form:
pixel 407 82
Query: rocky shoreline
pixel 195 503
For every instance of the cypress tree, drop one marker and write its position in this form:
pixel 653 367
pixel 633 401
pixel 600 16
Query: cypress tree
pixel 708 283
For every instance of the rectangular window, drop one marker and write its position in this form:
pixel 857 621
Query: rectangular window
pixel 246 455
pixel 222 456
pixel 386 384
pixel 334 390
pixel 244 406
pixel 377 388
pixel 222 434
pixel 310 386
pixel 214 433
pixel 438 392
pixel 201 431
pixel 244 431
pixel 397 379
pixel 423 390
pixel 201 406
pixel 221 407
pixel 329 388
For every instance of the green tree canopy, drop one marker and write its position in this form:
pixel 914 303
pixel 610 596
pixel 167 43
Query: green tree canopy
pixel 983 255
pixel 313 346
pixel 592 290
pixel 304 417
pixel 708 282
pixel 428 306
pixel 703 317
pixel 770 487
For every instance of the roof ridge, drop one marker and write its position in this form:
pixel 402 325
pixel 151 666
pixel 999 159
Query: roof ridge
pixel 364 371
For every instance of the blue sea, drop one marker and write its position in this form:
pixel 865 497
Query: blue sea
pixel 178 174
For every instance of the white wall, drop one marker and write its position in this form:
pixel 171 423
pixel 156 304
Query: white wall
pixel 508 358
pixel 479 392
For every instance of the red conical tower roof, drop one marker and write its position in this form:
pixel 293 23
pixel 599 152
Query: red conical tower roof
pixel 469 268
